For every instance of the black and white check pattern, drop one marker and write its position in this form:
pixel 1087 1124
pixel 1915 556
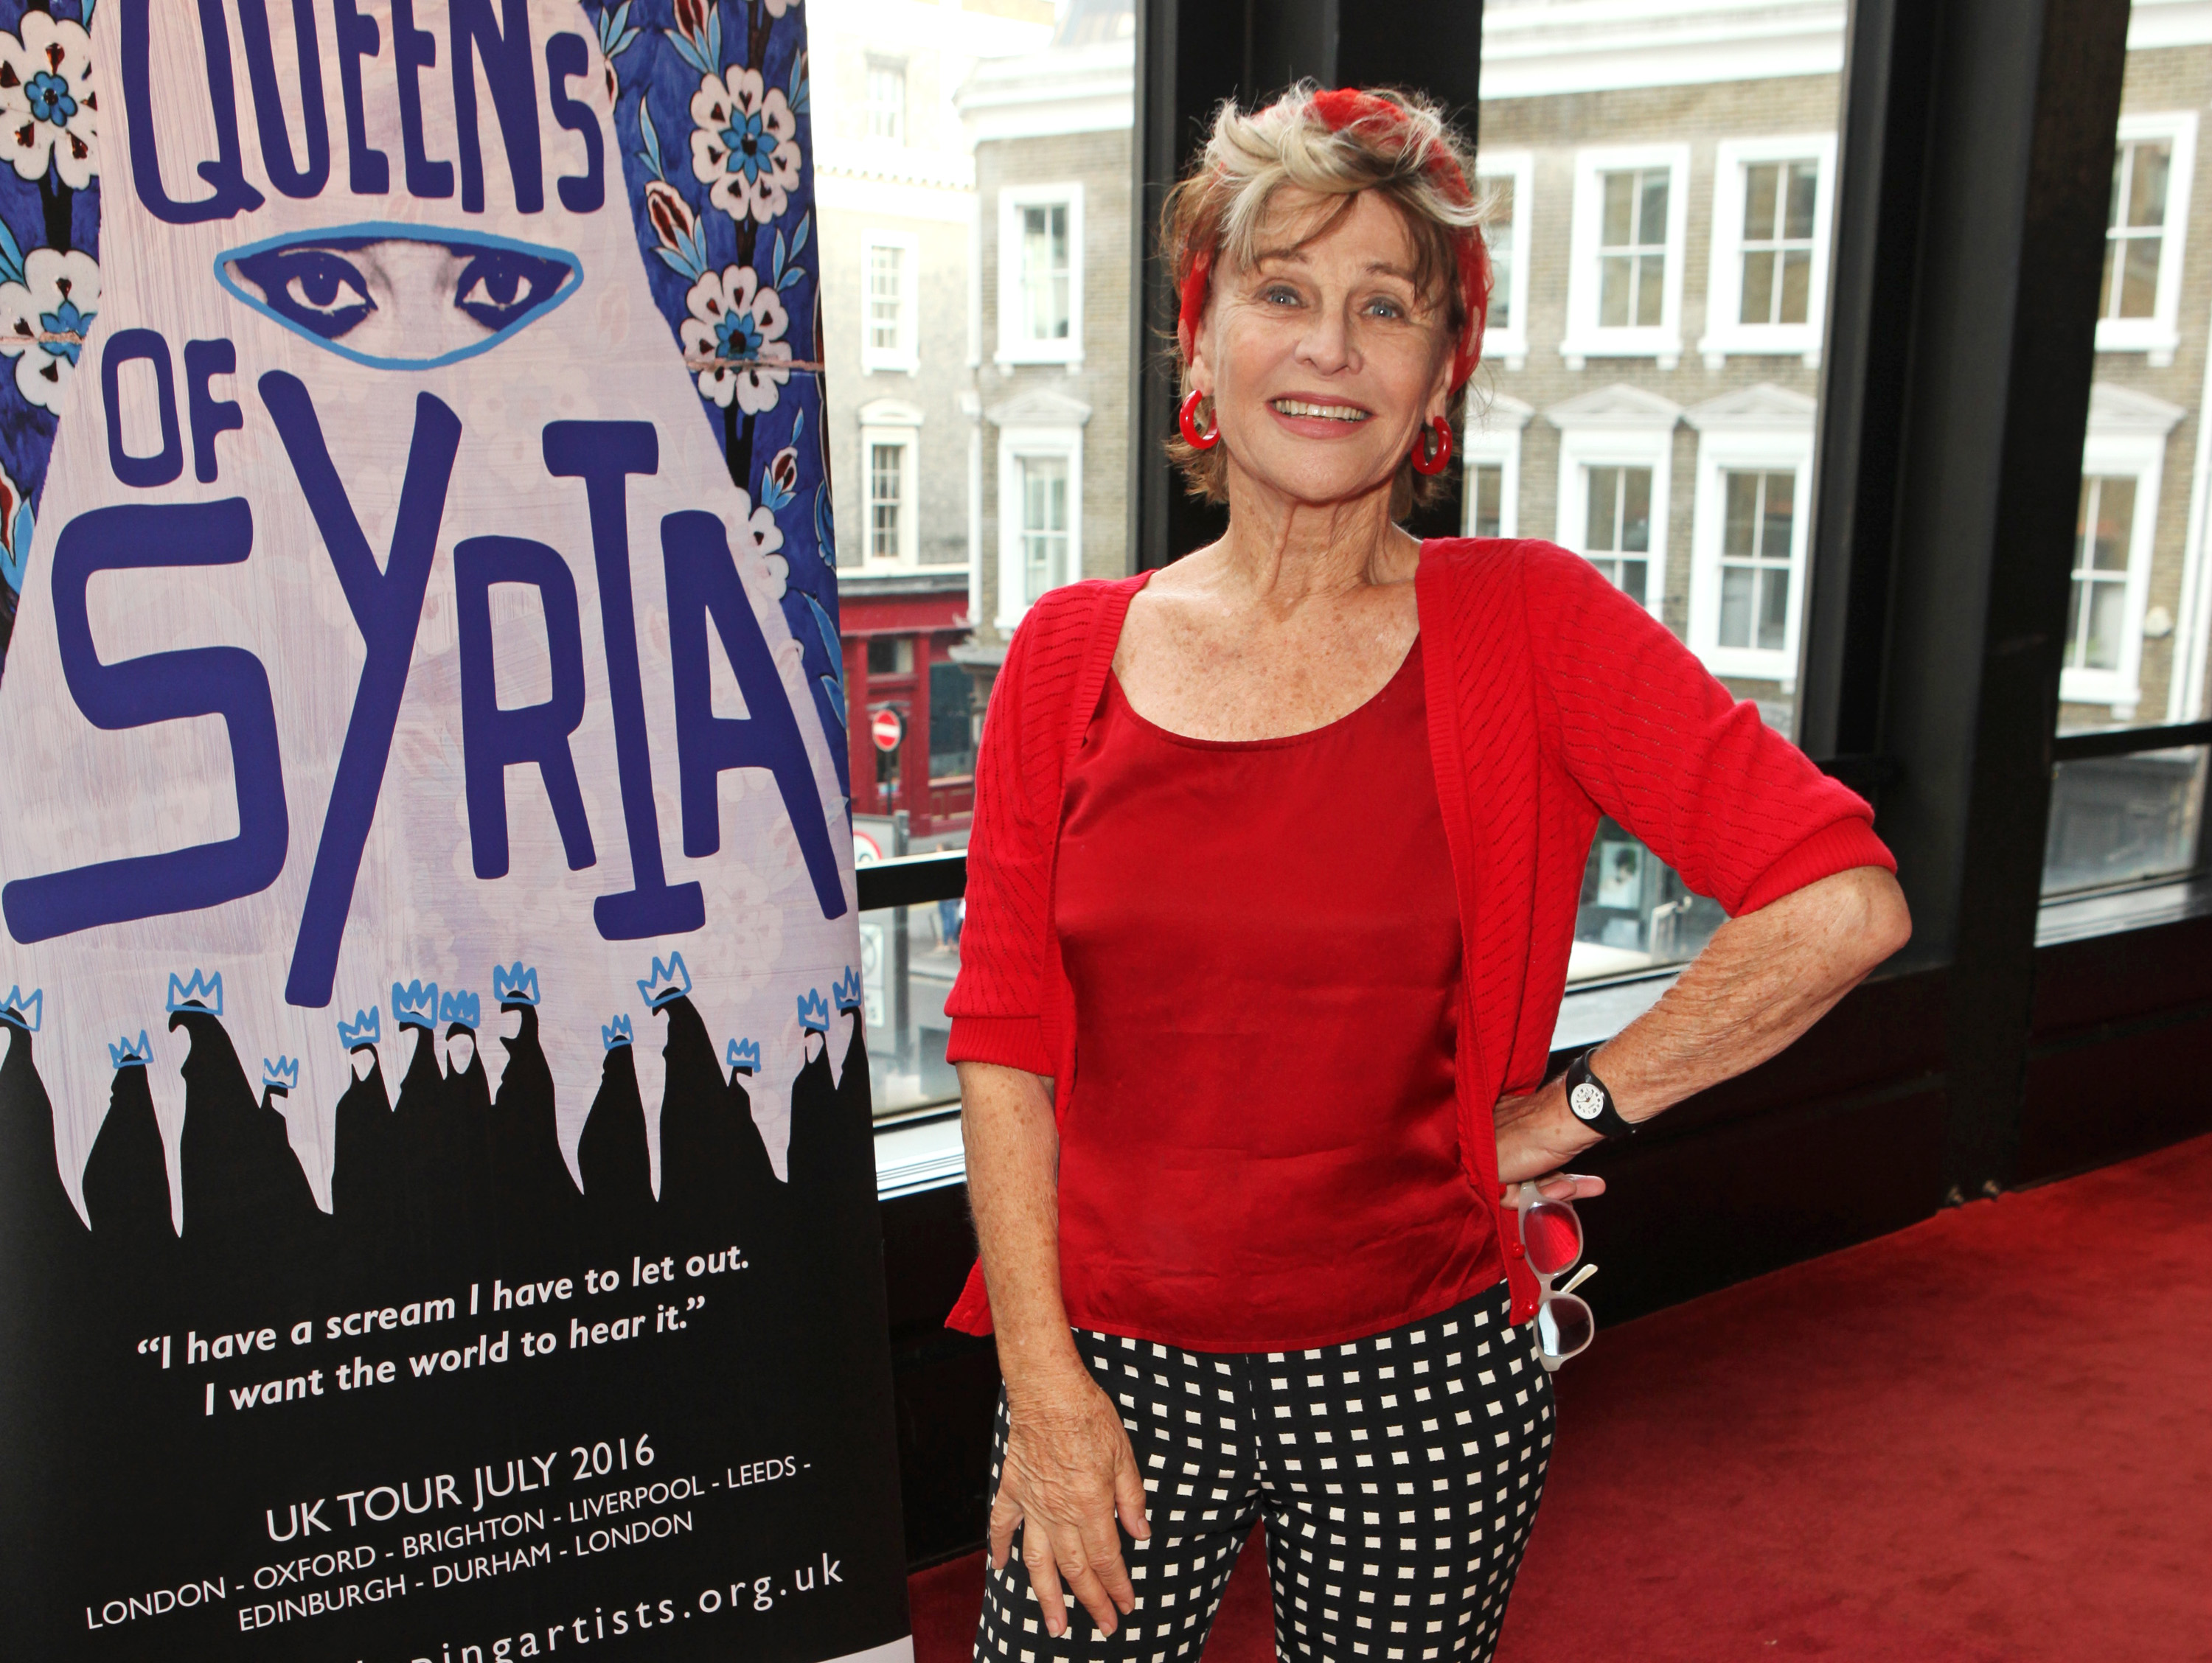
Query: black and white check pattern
pixel 1398 1475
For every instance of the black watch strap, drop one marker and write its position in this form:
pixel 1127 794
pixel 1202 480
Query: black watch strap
pixel 1588 1101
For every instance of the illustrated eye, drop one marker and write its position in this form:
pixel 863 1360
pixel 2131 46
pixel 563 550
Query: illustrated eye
pixel 501 285
pixel 319 290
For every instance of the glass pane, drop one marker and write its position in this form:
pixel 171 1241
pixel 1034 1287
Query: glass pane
pixel 1762 183
pixel 1804 192
pixel 2106 602
pixel 1735 605
pixel 1758 306
pixel 1774 611
pixel 2137 632
pixel 1632 573
pixel 1497 229
pixel 2123 820
pixel 1738 528
pixel 909 957
pixel 2114 528
pixel 1617 224
pixel 1795 303
pixel 1650 290
pixel 952 721
pixel 1604 508
pixel 1781 516
pixel 1636 510
pixel 1489 498
pixel 1635 914
pixel 1616 284
pixel 2147 189
pixel 2139 277
pixel 1651 221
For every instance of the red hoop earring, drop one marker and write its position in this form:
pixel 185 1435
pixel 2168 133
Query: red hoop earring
pixel 1188 419
pixel 1434 462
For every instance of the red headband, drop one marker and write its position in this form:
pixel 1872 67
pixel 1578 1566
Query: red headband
pixel 1346 107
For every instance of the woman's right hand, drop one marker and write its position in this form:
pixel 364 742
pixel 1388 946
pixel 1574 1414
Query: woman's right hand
pixel 1068 1474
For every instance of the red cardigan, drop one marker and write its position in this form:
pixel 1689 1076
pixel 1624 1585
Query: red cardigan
pixel 1553 700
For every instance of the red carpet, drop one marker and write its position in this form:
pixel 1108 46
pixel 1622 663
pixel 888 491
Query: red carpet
pixel 1987 1439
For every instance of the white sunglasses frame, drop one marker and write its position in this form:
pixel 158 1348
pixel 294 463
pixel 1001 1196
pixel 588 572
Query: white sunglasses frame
pixel 1527 1198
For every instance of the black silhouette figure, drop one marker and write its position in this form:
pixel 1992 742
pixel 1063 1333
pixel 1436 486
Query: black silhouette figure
pixel 364 1173
pixel 438 1131
pixel 616 1161
pixel 247 1200
pixel 536 1209
pixel 126 1179
pixel 712 1159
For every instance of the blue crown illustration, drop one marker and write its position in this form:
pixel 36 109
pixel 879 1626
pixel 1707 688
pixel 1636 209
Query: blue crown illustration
pixel 813 1013
pixel 366 1027
pixel 22 1010
pixel 668 981
pixel 128 1053
pixel 460 1006
pixel 198 994
pixel 744 1056
pixel 415 1003
pixel 615 1032
pixel 847 992
pixel 515 986
pixel 282 1074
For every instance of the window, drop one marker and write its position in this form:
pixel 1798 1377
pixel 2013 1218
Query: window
pixel 891 436
pixel 1748 530
pixel 2139 302
pixel 890 655
pixel 1041 275
pixel 886 487
pixel 1616 454
pixel 1040 498
pixel 886 102
pixel 952 721
pixel 1618 521
pixel 1491 450
pixel 1508 181
pixel 1044 524
pixel 889 323
pixel 2123 461
pixel 1625 283
pixel 1772 204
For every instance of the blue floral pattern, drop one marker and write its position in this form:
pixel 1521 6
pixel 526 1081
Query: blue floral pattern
pixel 722 85
pixel 49 252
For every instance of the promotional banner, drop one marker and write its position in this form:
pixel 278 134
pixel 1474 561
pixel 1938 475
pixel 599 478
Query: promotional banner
pixel 437 1213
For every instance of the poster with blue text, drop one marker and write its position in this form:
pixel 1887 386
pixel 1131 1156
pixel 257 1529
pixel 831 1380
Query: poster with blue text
pixel 437 1211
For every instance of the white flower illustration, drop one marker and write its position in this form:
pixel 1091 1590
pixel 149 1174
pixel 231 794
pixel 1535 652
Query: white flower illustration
pixel 758 537
pixel 744 144
pixel 734 335
pixel 48 111
pixel 44 319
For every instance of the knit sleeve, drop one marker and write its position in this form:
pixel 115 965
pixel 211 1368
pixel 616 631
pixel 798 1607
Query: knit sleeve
pixel 1655 742
pixel 996 1004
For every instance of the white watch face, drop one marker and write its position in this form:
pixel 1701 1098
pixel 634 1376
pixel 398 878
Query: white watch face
pixel 1588 1101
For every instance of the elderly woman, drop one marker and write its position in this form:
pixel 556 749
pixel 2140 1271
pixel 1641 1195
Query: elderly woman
pixel 1273 884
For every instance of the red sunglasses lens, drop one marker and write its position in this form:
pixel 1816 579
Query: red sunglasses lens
pixel 1553 1236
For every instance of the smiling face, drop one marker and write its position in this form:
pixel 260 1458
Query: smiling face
pixel 1323 359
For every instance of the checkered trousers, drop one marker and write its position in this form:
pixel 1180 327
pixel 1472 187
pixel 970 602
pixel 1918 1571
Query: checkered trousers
pixel 1398 1475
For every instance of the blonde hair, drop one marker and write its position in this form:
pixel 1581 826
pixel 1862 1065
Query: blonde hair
pixel 1333 143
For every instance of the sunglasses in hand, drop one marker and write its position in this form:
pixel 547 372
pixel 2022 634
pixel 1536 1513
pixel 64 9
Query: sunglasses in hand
pixel 1552 1236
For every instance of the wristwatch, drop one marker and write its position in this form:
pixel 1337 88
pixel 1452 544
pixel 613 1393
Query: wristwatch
pixel 1588 1101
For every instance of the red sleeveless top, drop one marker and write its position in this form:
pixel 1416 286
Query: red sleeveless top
pixel 1260 1150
